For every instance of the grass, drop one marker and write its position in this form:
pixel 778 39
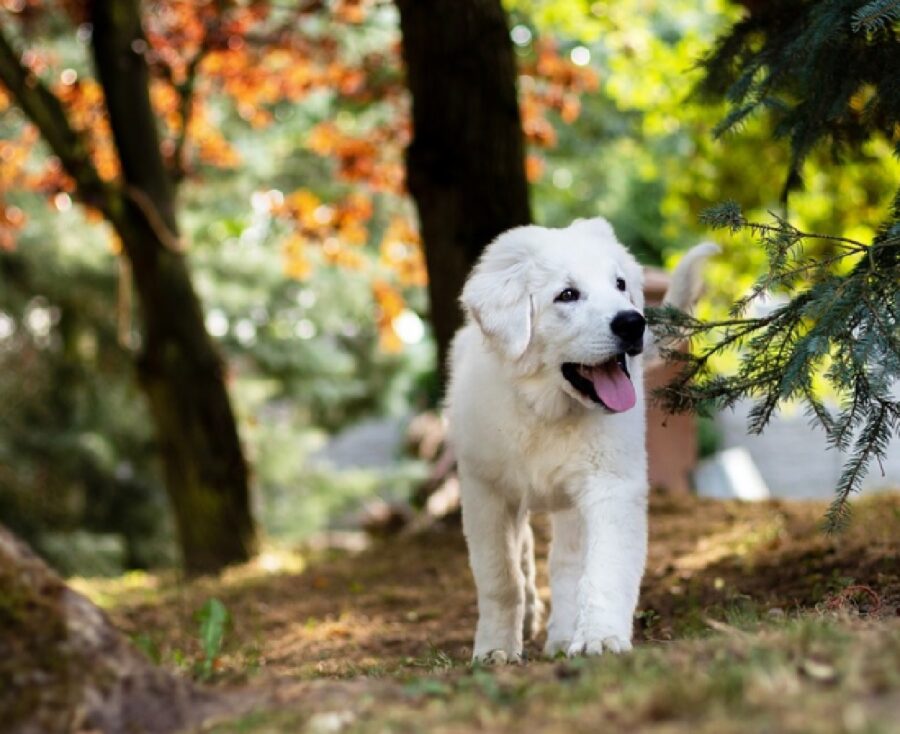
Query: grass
pixel 774 679
pixel 751 620
pixel 810 674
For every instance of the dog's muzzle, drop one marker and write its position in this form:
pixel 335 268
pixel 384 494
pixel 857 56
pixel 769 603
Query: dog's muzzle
pixel 629 326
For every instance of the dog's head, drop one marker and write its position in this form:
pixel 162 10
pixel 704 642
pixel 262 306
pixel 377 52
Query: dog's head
pixel 566 304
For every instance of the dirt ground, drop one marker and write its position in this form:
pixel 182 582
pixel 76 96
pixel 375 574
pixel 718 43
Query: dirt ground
pixel 401 612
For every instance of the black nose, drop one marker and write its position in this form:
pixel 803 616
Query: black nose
pixel 629 327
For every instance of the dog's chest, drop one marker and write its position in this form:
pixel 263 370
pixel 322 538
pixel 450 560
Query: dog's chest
pixel 547 468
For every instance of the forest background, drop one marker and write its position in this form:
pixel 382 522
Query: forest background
pixel 285 126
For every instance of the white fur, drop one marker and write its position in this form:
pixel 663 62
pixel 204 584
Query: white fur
pixel 525 440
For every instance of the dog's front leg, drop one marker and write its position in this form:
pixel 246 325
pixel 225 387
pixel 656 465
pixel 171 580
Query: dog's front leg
pixel 615 551
pixel 566 562
pixel 492 530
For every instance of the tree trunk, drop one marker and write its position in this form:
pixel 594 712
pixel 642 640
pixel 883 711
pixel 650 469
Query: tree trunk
pixel 182 376
pixel 64 667
pixel 466 164
pixel 179 367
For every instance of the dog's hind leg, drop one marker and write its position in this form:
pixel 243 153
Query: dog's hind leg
pixel 534 607
pixel 491 527
pixel 566 563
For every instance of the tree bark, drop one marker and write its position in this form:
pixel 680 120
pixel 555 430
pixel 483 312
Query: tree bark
pixel 466 163
pixel 64 667
pixel 179 367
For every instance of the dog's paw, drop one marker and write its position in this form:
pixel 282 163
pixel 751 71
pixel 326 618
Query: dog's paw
pixel 552 648
pixel 534 617
pixel 497 657
pixel 592 646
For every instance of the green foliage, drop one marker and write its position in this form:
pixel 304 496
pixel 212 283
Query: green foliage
pixel 77 451
pixel 147 645
pixel 623 158
pixel 833 317
pixel 643 153
pixel 825 73
pixel 435 660
pixel 876 16
pixel 213 618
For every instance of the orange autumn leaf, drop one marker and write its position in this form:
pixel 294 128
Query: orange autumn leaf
pixel 83 99
pixel 401 253
pixel 549 83
pixel 344 257
pixel 353 232
pixel 389 304
pixel 115 244
pixel 12 219
pixel 302 206
pixel 388 340
pixel 570 109
pixel 352 11
pixel 297 265
pixel 339 222
pixel 534 168
pixel 356 206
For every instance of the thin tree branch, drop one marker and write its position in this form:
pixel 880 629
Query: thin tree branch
pixel 124 76
pixel 47 113
pixel 185 92
pixel 185 108
pixel 142 201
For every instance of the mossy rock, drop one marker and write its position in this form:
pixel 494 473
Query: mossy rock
pixel 34 664
pixel 64 667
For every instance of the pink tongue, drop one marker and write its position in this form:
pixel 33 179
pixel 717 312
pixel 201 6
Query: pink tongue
pixel 613 386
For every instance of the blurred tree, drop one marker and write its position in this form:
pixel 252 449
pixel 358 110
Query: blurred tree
pixel 76 450
pixel 325 192
pixel 466 161
pixel 625 156
pixel 826 73
pixel 179 368
pixel 284 125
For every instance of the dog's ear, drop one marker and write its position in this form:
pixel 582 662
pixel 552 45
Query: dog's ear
pixel 634 276
pixel 597 227
pixel 496 294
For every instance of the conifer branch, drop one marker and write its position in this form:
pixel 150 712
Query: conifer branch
pixel 837 324
pixel 875 15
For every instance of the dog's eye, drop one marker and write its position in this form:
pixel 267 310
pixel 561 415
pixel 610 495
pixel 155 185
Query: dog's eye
pixel 568 295
pixel 620 284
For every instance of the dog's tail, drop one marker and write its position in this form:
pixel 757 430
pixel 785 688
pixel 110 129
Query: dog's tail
pixel 683 293
pixel 687 279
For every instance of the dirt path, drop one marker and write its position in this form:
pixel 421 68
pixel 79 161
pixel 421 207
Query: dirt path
pixel 404 609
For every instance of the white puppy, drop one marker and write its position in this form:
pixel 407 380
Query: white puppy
pixel 546 413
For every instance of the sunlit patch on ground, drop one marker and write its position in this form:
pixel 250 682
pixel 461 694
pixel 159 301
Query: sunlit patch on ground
pixel 745 607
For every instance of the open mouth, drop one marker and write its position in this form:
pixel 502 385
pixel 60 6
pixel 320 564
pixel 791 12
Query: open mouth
pixel 607 383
